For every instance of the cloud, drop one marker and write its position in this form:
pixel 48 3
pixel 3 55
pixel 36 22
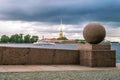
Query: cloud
pixel 72 12
pixel 52 30
pixel 42 17
pixel 40 29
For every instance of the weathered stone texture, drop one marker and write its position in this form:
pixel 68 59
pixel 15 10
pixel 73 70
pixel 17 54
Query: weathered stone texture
pixel 66 57
pixel 40 56
pixel 85 58
pixel 94 33
pixel 87 55
pixel 98 58
pixel 103 59
pixel 20 56
pixel 12 56
pixel 97 55
pixel 87 46
pixel 1 51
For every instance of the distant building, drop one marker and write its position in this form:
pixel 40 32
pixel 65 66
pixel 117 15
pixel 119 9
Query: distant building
pixel 53 39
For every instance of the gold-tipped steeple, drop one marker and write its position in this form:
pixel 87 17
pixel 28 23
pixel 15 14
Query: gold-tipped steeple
pixel 61 32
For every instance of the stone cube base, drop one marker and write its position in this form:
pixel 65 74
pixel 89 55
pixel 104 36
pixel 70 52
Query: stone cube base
pixel 98 58
pixel 97 55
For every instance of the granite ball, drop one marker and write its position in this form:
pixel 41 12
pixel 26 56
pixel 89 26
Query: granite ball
pixel 94 33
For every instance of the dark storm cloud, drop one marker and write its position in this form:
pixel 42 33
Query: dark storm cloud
pixel 71 11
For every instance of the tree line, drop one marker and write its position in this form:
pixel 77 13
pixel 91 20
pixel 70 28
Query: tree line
pixel 80 41
pixel 62 38
pixel 18 38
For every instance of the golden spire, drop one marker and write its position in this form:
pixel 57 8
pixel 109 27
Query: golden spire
pixel 61 25
pixel 61 32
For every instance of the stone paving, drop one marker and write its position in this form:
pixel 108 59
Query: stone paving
pixel 29 68
pixel 62 75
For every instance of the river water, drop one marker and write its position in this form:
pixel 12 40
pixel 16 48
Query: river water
pixel 114 46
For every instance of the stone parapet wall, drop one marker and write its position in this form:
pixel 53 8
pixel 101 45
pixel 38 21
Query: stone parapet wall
pixel 40 56
pixel 32 56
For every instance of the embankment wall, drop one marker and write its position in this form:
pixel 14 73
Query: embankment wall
pixel 41 56
pixel 18 56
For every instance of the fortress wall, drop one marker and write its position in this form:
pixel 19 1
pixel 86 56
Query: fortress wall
pixel 21 56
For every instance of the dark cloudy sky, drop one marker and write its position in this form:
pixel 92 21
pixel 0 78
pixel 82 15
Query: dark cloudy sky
pixel 42 17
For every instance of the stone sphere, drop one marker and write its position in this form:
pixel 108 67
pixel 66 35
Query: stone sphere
pixel 94 33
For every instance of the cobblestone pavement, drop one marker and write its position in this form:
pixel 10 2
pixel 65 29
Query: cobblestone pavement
pixel 58 72
pixel 62 75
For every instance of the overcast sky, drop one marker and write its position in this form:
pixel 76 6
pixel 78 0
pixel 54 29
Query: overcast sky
pixel 42 17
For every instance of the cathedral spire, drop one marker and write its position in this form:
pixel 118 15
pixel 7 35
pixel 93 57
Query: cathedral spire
pixel 61 25
pixel 61 32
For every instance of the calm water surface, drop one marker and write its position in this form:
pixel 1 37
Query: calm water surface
pixel 114 46
pixel 57 46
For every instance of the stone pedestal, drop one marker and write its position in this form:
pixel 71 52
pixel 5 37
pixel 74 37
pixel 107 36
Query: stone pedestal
pixel 97 55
